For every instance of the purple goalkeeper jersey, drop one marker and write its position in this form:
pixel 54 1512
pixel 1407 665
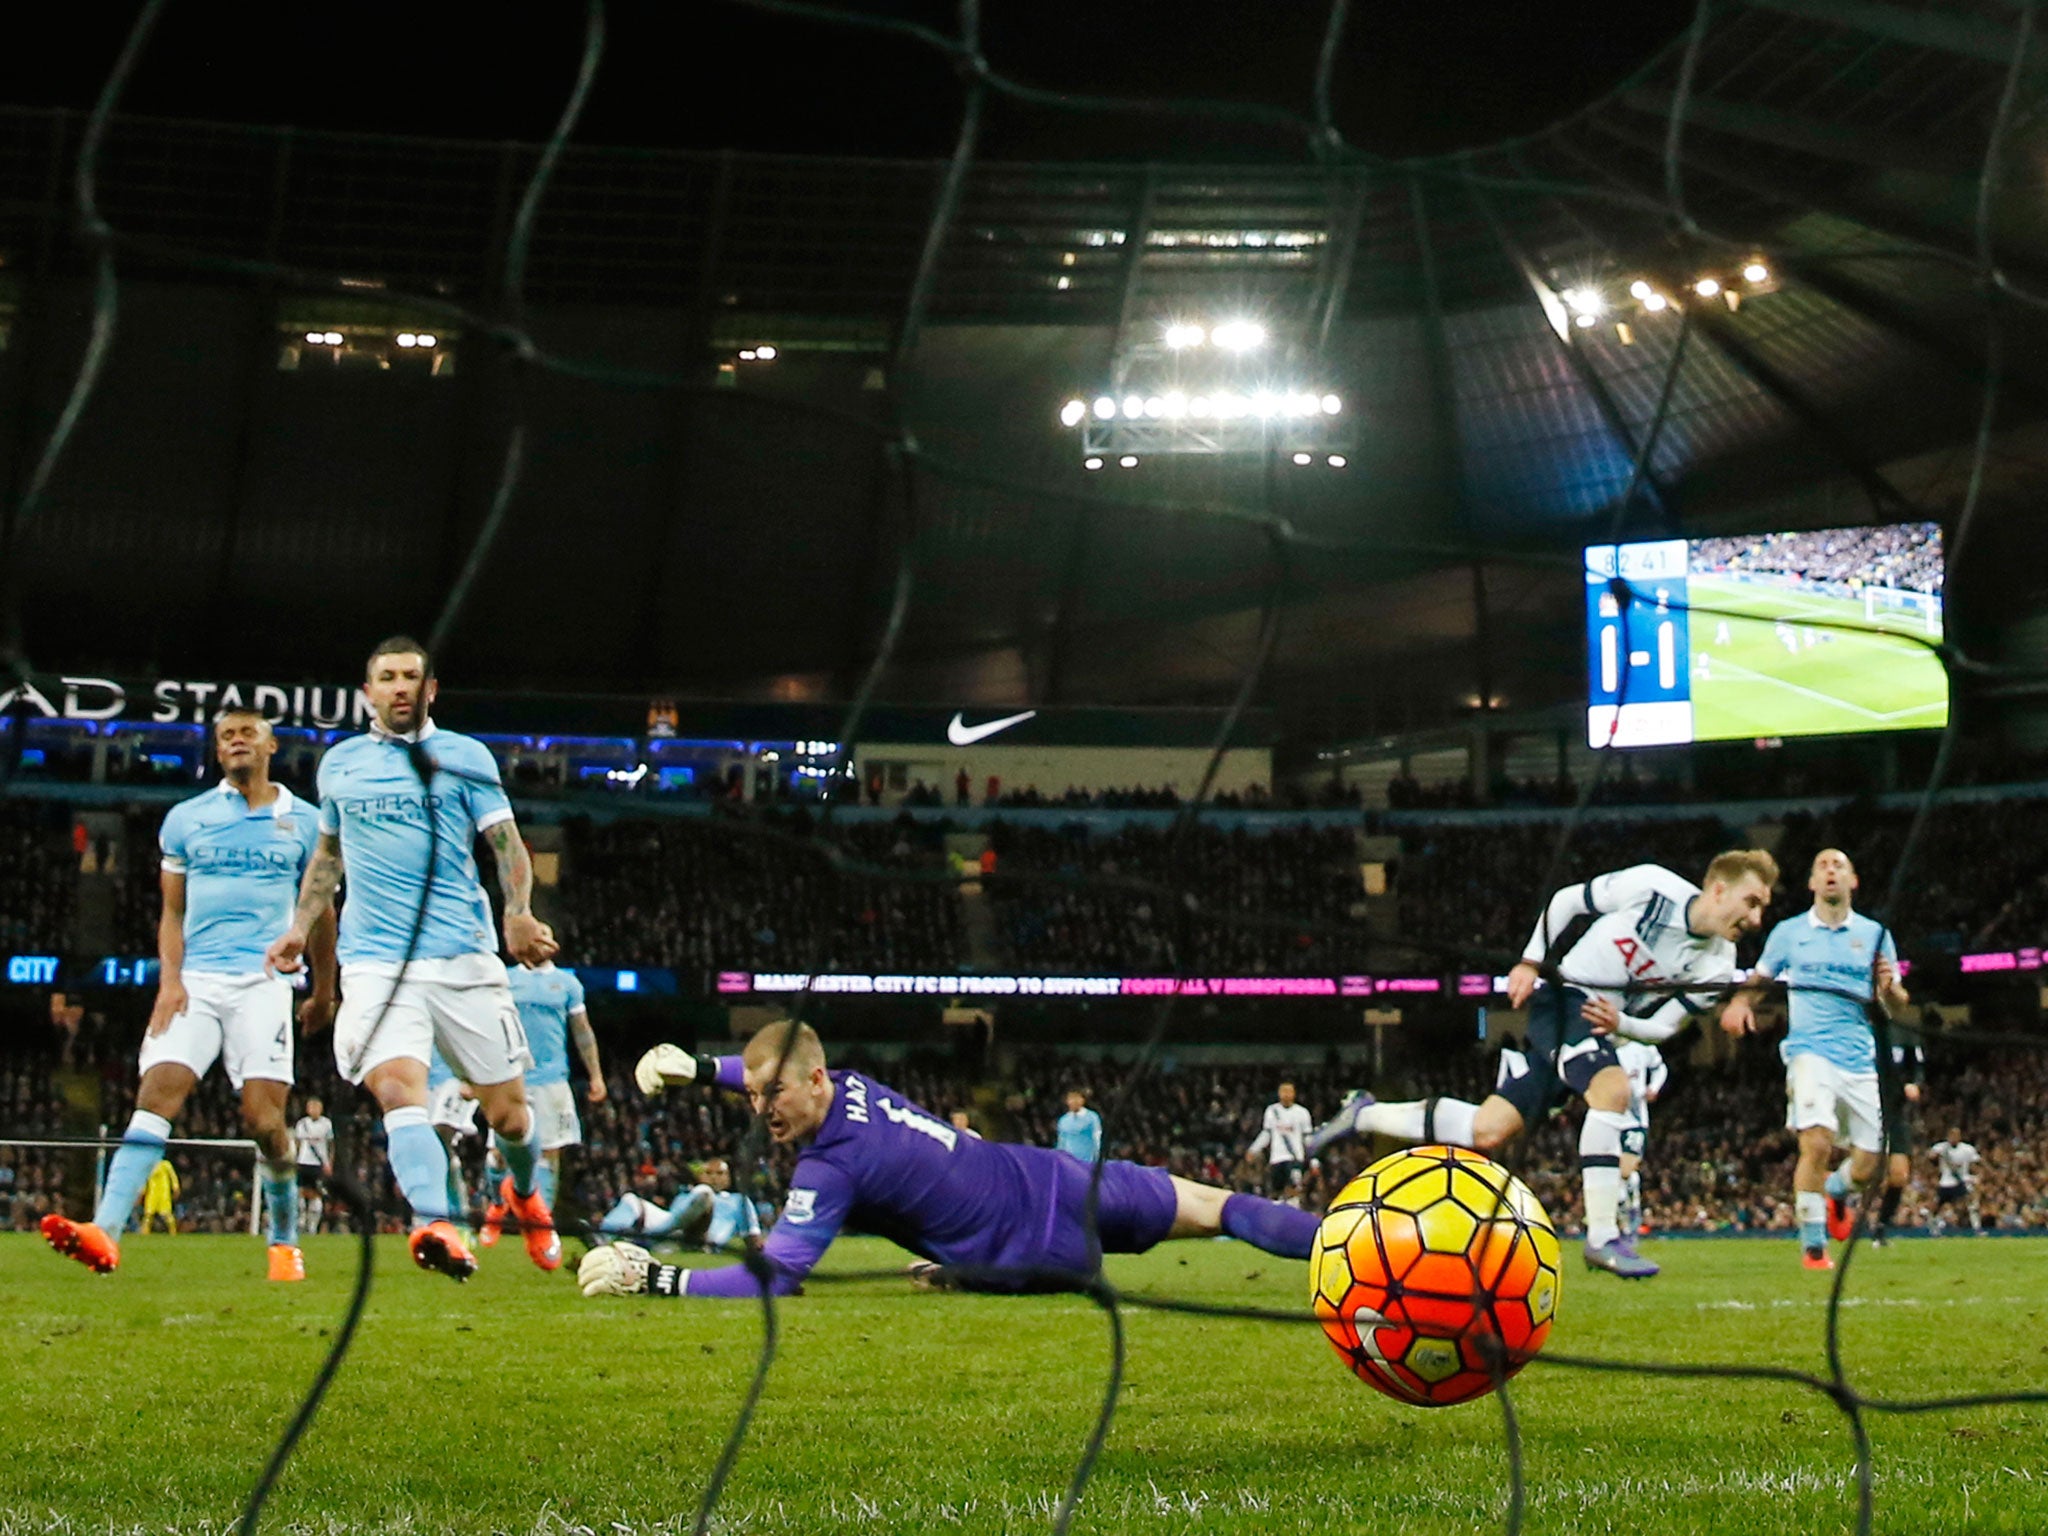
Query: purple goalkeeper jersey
pixel 883 1164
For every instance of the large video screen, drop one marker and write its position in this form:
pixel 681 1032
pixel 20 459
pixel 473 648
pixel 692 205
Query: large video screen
pixel 1766 635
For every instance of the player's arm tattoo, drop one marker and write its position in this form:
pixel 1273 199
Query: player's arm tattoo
pixel 323 879
pixel 585 1040
pixel 515 868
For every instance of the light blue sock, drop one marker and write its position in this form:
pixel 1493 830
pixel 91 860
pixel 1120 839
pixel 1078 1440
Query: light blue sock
pixel 458 1194
pixel 1838 1183
pixel 522 1154
pixel 694 1206
pixel 418 1161
pixel 141 1149
pixel 1812 1209
pixel 281 1190
pixel 544 1180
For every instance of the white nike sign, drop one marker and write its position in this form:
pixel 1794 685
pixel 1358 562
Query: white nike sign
pixel 961 734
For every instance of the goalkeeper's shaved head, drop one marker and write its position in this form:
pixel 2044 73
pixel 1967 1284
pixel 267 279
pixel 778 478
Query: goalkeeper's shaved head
pixel 796 1045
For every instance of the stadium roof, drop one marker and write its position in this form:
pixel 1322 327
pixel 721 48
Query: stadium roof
pixel 1837 143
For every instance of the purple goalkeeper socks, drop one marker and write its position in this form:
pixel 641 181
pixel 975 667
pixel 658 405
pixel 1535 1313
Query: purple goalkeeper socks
pixel 1272 1226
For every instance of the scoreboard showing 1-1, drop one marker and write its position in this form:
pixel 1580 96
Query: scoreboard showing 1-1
pixel 1640 654
pixel 1812 632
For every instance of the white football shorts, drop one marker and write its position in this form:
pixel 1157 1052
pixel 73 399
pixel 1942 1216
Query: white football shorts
pixel 554 1116
pixel 1817 1092
pixel 242 1020
pixel 461 1004
pixel 446 1106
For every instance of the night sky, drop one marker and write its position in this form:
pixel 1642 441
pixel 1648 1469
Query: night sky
pixel 1413 78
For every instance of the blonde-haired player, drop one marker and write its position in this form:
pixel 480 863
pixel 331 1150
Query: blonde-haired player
pixel 1654 938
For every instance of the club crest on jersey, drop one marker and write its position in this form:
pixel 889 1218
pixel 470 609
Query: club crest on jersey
pixel 802 1206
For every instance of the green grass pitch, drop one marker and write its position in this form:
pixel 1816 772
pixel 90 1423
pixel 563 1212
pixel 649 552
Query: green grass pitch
pixel 147 1401
pixel 1835 682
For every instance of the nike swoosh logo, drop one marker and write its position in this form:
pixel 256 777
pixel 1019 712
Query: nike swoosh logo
pixel 961 734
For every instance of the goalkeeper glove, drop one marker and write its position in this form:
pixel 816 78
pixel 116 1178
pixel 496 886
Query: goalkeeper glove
pixel 620 1269
pixel 666 1065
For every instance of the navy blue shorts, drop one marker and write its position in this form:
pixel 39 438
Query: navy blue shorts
pixel 1564 1054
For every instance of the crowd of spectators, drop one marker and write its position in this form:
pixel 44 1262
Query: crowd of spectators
pixel 775 889
pixel 1282 902
pixel 38 866
pixel 1904 557
pixel 764 892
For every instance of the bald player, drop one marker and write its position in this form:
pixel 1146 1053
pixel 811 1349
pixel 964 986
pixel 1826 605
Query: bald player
pixel 1832 961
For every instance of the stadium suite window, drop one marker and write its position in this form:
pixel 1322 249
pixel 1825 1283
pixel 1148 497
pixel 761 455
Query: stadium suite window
pixel 361 348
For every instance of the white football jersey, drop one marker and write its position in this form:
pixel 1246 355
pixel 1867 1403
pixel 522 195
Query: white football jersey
pixel 316 1141
pixel 1638 939
pixel 1955 1161
pixel 1283 1136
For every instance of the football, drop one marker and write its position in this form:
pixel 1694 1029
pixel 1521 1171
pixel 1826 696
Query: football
pixel 1435 1275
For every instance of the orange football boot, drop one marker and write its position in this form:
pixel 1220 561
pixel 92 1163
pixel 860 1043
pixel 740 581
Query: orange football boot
pixel 1816 1258
pixel 537 1224
pixel 494 1221
pixel 83 1241
pixel 1841 1218
pixel 439 1246
pixel 286 1262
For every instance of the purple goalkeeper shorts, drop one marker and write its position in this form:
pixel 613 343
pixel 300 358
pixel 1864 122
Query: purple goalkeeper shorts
pixel 1134 1210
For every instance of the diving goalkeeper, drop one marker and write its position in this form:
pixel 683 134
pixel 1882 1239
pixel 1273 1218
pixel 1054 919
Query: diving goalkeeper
pixel 997 1216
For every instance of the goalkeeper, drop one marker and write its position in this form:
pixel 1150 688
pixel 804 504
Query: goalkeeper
pixel 997 1216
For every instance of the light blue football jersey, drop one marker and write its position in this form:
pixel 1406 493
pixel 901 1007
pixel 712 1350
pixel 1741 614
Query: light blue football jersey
pixel 546 997
pixel 241 869
pixel 732 1216
pixel 1805 954
pixel 371 796
pixel 1079 1133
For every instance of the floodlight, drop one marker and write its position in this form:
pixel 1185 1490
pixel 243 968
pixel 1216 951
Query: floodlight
pixel 426 338
pixel 748 355
pixel 1584 301
pixel 1338 461
pixel 1091 463
pixel 1134 407
pixel 1239 335
pixel 766 354
pixel 1072 412
pixel 1655 302
pixel 1180 335
pixel 1128 461
pixel 1331 405
pixel 1706 287
pixel 407 339
pixel 315 338
pixel 1640 290
pixel 1105 408
pixel 1756 272
pixel 1173 405
pixel 1302 458
pixel 332 338
pixel 1586 320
